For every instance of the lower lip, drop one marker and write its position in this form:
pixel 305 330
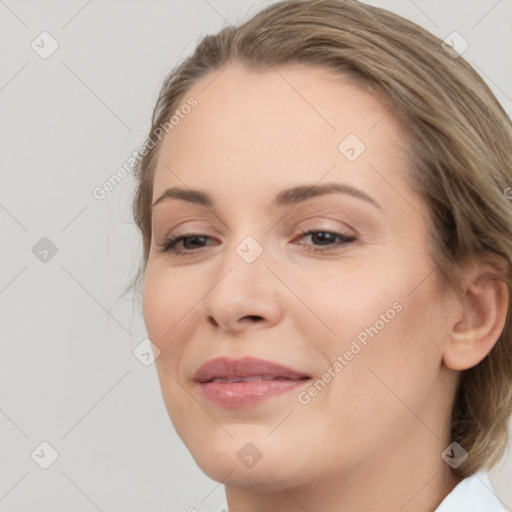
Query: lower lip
pixel 246 394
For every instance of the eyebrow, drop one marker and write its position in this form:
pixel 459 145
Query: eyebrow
pixel 291 196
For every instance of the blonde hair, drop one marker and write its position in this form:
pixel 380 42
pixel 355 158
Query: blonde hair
pixel 460 146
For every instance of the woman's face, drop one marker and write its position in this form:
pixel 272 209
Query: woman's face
pixel 351 306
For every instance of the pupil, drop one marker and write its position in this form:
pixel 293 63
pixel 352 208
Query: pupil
pixel 326 237
pixel 191 240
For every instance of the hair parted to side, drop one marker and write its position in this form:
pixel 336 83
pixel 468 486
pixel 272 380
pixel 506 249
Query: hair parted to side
pixel 459 141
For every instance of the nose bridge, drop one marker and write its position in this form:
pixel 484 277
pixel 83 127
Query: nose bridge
pixel 244 287
pixel 248 245
pixel 243 268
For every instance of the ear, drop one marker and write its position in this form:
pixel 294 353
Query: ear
pixel 483 301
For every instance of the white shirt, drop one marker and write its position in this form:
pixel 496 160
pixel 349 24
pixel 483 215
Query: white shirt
pixel 473 494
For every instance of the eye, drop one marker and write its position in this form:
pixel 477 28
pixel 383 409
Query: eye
pixel 193 241
pixel 325 238
pixel 170 243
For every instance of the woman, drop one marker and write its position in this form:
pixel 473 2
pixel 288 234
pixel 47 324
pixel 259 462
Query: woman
pixel 326 270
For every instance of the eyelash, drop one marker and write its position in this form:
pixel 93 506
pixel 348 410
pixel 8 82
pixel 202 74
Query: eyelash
pixel 169 244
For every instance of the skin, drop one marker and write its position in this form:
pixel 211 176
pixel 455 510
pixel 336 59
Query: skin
pixel 382 423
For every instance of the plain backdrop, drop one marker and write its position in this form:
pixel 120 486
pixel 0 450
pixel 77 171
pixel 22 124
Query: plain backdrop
pixel 68 376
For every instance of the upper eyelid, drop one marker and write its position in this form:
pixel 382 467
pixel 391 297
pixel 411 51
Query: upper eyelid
pixel 313 222
pixel 334 217
pixel 346 230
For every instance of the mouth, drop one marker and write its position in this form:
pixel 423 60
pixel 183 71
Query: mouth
pixel 231 383
pixel 255 378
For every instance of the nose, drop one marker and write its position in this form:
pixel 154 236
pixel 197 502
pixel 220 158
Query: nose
pixel 244 295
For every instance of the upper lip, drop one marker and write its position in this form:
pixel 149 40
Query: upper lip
pixel 227 368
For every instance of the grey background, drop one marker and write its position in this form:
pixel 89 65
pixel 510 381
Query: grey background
pixel 68 375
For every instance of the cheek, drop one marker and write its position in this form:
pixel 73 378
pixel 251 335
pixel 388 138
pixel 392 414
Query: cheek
pixel 387 330
pixel 170 310
pixel 169 302
pixel 403 369
pixel 348 305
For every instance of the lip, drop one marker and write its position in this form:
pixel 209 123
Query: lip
pixel 275 379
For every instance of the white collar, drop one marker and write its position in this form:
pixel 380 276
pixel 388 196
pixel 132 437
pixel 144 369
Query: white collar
pixel 473 494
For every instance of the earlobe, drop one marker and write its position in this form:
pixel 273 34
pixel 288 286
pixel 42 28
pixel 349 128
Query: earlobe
pixel 484 299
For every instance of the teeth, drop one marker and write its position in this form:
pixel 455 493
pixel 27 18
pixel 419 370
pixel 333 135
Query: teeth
pixel 245 379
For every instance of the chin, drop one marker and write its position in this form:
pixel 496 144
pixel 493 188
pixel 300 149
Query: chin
pixel 249 458
pixel 262 476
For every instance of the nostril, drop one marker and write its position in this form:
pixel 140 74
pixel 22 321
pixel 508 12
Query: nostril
pixel 213 321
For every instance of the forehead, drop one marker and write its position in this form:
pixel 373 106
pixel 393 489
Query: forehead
pixel 273 128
